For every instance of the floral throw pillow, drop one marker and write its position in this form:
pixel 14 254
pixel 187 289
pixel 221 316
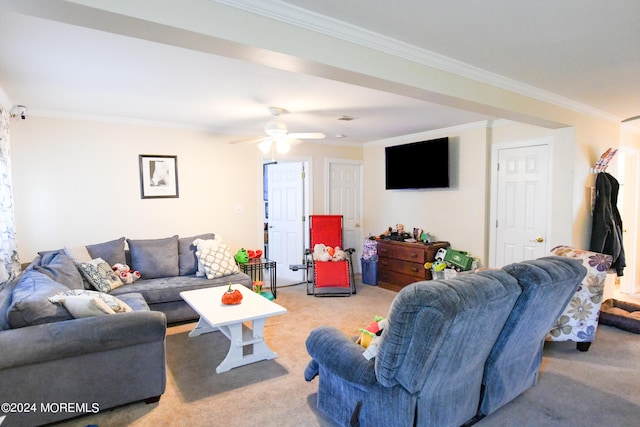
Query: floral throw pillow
pixel 100 275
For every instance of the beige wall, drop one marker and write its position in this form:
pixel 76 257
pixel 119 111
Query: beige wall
pixel 457 214
pixel 77 182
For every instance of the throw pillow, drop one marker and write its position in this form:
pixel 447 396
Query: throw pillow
pixel 100 275
pixel 30 304
pixel 201 245
pixel 115 304
pixel 112 252
pixel 83 305
pixel 217 261
pixel 187 259
pixel 59 267
pixel 155 258
pixel 78 253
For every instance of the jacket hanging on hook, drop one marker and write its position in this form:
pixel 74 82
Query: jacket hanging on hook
pixel 606 229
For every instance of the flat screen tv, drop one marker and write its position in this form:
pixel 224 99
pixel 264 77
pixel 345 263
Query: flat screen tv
pixel 423 164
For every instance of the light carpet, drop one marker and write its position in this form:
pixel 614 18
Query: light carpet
pixel 598 388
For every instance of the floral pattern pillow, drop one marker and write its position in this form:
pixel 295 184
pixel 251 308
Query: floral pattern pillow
pixel 100 275
pixel 579 320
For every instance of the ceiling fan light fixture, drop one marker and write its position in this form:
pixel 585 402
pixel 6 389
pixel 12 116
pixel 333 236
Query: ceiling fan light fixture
pixel 265 146
pixel 282 145
pixel 275 128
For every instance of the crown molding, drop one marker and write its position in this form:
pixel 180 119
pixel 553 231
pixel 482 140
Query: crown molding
pixel 432 134
pixel 297 16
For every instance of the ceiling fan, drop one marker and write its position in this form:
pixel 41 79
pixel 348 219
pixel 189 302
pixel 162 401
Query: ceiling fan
pixel 278 134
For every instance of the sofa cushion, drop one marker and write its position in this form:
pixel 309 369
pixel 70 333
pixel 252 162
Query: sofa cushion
pixel 100 275
pixel 167 289
pixel 155 258
pixel 134 300
pixel 31 305
pixel 78 295
pixel 217 261
pixel 187 259
pixel 78 253
pixel 112 251
pixel 6 291
pixel 59 267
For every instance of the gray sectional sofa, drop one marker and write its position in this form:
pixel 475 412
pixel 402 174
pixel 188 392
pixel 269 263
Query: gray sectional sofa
pixel 55 366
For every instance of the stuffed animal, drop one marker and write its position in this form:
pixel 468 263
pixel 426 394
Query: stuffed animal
pixel 330 251
pixel 372 330
pixel 339 254
pixel 242 256
pixel 125 273
pixel 320 253
pixel 371 337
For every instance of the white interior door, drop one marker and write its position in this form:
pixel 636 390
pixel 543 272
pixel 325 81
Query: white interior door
pixel 522 200
pixel 628 196
pixel 285 185
pixel 345 198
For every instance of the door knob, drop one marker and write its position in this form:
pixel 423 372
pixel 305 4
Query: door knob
pixel 538 239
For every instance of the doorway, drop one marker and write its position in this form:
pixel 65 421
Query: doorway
pixel 629 194
pixel 520 201
pixel 344 197
pixel 286 208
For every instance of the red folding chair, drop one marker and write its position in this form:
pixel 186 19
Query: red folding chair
pixel 329 278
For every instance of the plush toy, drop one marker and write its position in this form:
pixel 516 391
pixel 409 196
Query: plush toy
pixel 320 253
pixel 331 251
pixel 127 275
pixel 372 330
pixel 339 254
pixel 255 254
pixel 242 256
pixel 370 338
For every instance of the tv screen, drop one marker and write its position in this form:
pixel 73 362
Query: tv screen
pixel 422 164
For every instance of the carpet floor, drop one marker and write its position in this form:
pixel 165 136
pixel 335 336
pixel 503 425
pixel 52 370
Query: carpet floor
pixel 598 388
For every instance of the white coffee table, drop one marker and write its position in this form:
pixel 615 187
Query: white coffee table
pixel 229 319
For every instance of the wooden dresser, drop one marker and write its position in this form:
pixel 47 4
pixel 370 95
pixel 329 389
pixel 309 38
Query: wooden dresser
pixel 402 263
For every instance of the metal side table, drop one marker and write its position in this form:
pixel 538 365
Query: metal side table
pixel 257 268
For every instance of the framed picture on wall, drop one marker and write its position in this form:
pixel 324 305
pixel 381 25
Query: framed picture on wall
pixel 158 176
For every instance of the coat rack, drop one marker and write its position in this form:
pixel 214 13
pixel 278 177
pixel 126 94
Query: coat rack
pixel 603 161
pixel 601 166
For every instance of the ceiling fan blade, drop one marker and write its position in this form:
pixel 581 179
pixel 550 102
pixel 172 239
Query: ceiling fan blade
pixel 308 135
pixel 255 140
pixel 293 141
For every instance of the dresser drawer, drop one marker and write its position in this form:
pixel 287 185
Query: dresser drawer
pixel 407 253
pixel 395 281
pixel 401 266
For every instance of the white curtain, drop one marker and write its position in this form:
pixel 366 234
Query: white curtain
pixel 9 260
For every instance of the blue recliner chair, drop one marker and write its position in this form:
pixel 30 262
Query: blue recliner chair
pixel 430 362
pixel 548 284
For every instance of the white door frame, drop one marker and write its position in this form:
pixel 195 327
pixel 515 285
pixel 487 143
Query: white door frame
pixel 307 196
pixel 493 204
pixel 327 198
pixel 628 282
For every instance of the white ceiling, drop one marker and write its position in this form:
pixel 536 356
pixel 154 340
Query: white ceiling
pixel 584 53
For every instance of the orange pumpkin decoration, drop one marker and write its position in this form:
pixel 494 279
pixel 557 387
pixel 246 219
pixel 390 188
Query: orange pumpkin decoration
pixel 231 296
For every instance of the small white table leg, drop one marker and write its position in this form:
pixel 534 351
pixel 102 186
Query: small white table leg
pixel 240 336
pixel 201 328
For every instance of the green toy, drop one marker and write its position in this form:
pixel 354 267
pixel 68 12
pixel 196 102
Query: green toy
pixel 242 256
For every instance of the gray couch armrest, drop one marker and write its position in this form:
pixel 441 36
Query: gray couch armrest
pixel 52 341
pixel 334 351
